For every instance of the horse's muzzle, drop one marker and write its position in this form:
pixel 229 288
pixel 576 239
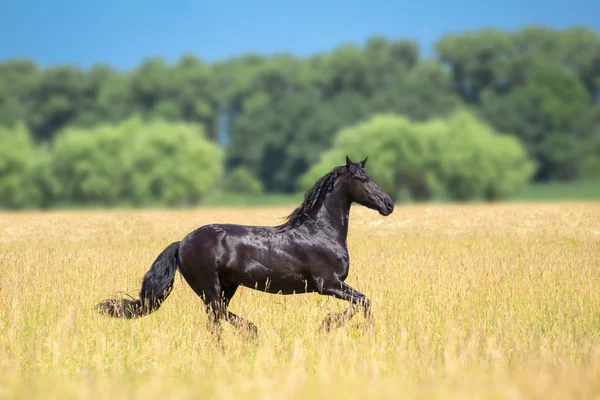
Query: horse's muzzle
pixel 388 207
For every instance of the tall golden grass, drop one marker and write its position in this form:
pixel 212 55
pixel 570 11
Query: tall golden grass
pixel 474 301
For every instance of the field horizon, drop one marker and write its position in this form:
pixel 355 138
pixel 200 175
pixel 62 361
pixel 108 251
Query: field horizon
pixel 470 301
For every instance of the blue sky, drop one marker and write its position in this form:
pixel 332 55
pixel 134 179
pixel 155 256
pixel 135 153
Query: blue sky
pixel 121 33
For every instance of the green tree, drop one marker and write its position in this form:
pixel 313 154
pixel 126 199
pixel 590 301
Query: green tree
pixel 580 52
pixel 18 78
pixel 56 101
pixel 279 112
pixel 551 115
pixel 425 92
pixel 277 140
pixel 271 103
pixel 460 157
pixel 478 60
pixel 45 186
pixel 24 177
pixel 590 166
pixel 399 152
pixel 195 93
pixel 106 98
pixel 90 163
pixel 151 84
pixel 167 163
pixel 241 180
pixel 137 162
pixel 476 162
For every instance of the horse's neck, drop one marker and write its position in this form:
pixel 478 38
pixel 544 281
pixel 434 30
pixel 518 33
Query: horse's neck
pixel 333 215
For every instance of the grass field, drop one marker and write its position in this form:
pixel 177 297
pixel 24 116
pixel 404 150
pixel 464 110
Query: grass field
pixel 472 301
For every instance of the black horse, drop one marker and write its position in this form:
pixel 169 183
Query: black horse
pixel 306 254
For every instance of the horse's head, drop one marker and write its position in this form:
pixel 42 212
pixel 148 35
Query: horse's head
pixel 364 190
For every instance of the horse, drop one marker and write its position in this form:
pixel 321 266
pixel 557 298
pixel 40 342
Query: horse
pixel 308 253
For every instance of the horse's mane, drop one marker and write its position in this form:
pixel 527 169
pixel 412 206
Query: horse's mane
pixel 312 198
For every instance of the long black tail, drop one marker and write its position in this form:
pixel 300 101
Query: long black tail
pixel 157 285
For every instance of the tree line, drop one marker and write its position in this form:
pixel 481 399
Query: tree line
pixel 273 118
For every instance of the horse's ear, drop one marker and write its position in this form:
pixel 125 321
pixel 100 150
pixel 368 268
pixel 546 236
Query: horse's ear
pixel 364 162
pixel 348 162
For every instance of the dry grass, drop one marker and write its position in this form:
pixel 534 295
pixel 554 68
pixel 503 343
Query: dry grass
pixel 470 302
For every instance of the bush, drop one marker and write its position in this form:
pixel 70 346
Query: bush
pixel 16 153
pixel 135 162
pixel 459 158
pixel 241 180
pixel 132 162
pixel 90 163
pixel 25 178
pixel 171 164
pixel 476 162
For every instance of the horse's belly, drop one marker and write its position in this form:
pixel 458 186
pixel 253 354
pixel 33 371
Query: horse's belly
pixel 288 282
pixel 289 286
pixel 266 272
pixel 273 281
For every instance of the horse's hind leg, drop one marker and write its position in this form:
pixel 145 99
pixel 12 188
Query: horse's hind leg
pixel 215 311
pixel 242 324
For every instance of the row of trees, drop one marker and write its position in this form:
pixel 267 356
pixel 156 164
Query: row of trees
pixel 161 163
pixel 275 116
pixel 132 163
pixel 457 158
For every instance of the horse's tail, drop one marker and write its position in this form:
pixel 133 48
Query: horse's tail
pixel 157 285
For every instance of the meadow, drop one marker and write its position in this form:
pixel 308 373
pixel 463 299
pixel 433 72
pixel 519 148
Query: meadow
pixel 470 301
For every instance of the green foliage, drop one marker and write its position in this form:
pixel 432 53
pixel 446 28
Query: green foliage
pixel 478 59
pixel 279 113
pixel 166 163
pixel 18 78
pixel 476 162
pixel 16 154
pixel 131 162
pixel 551 114
pixel 241 181
pixel 429 93
pixel 90 164
pixel 43 186
pixel 399 152
pixel 25 177
pixel 459 158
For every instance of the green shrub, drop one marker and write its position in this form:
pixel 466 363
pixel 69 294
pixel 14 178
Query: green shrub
pixel 241 180
pixel 459 157
pixel 25 177
pixel 137 163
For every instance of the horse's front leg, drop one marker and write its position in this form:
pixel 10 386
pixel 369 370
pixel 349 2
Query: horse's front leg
pixel 343 291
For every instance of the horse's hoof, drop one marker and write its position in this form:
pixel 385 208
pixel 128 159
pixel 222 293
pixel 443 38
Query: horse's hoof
pixel 324 328
pixel 331 321
pixel 252 333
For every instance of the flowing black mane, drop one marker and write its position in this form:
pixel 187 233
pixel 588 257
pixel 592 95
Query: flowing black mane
pixel 312 198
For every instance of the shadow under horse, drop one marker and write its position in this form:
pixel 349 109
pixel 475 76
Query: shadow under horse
pixel 306 254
